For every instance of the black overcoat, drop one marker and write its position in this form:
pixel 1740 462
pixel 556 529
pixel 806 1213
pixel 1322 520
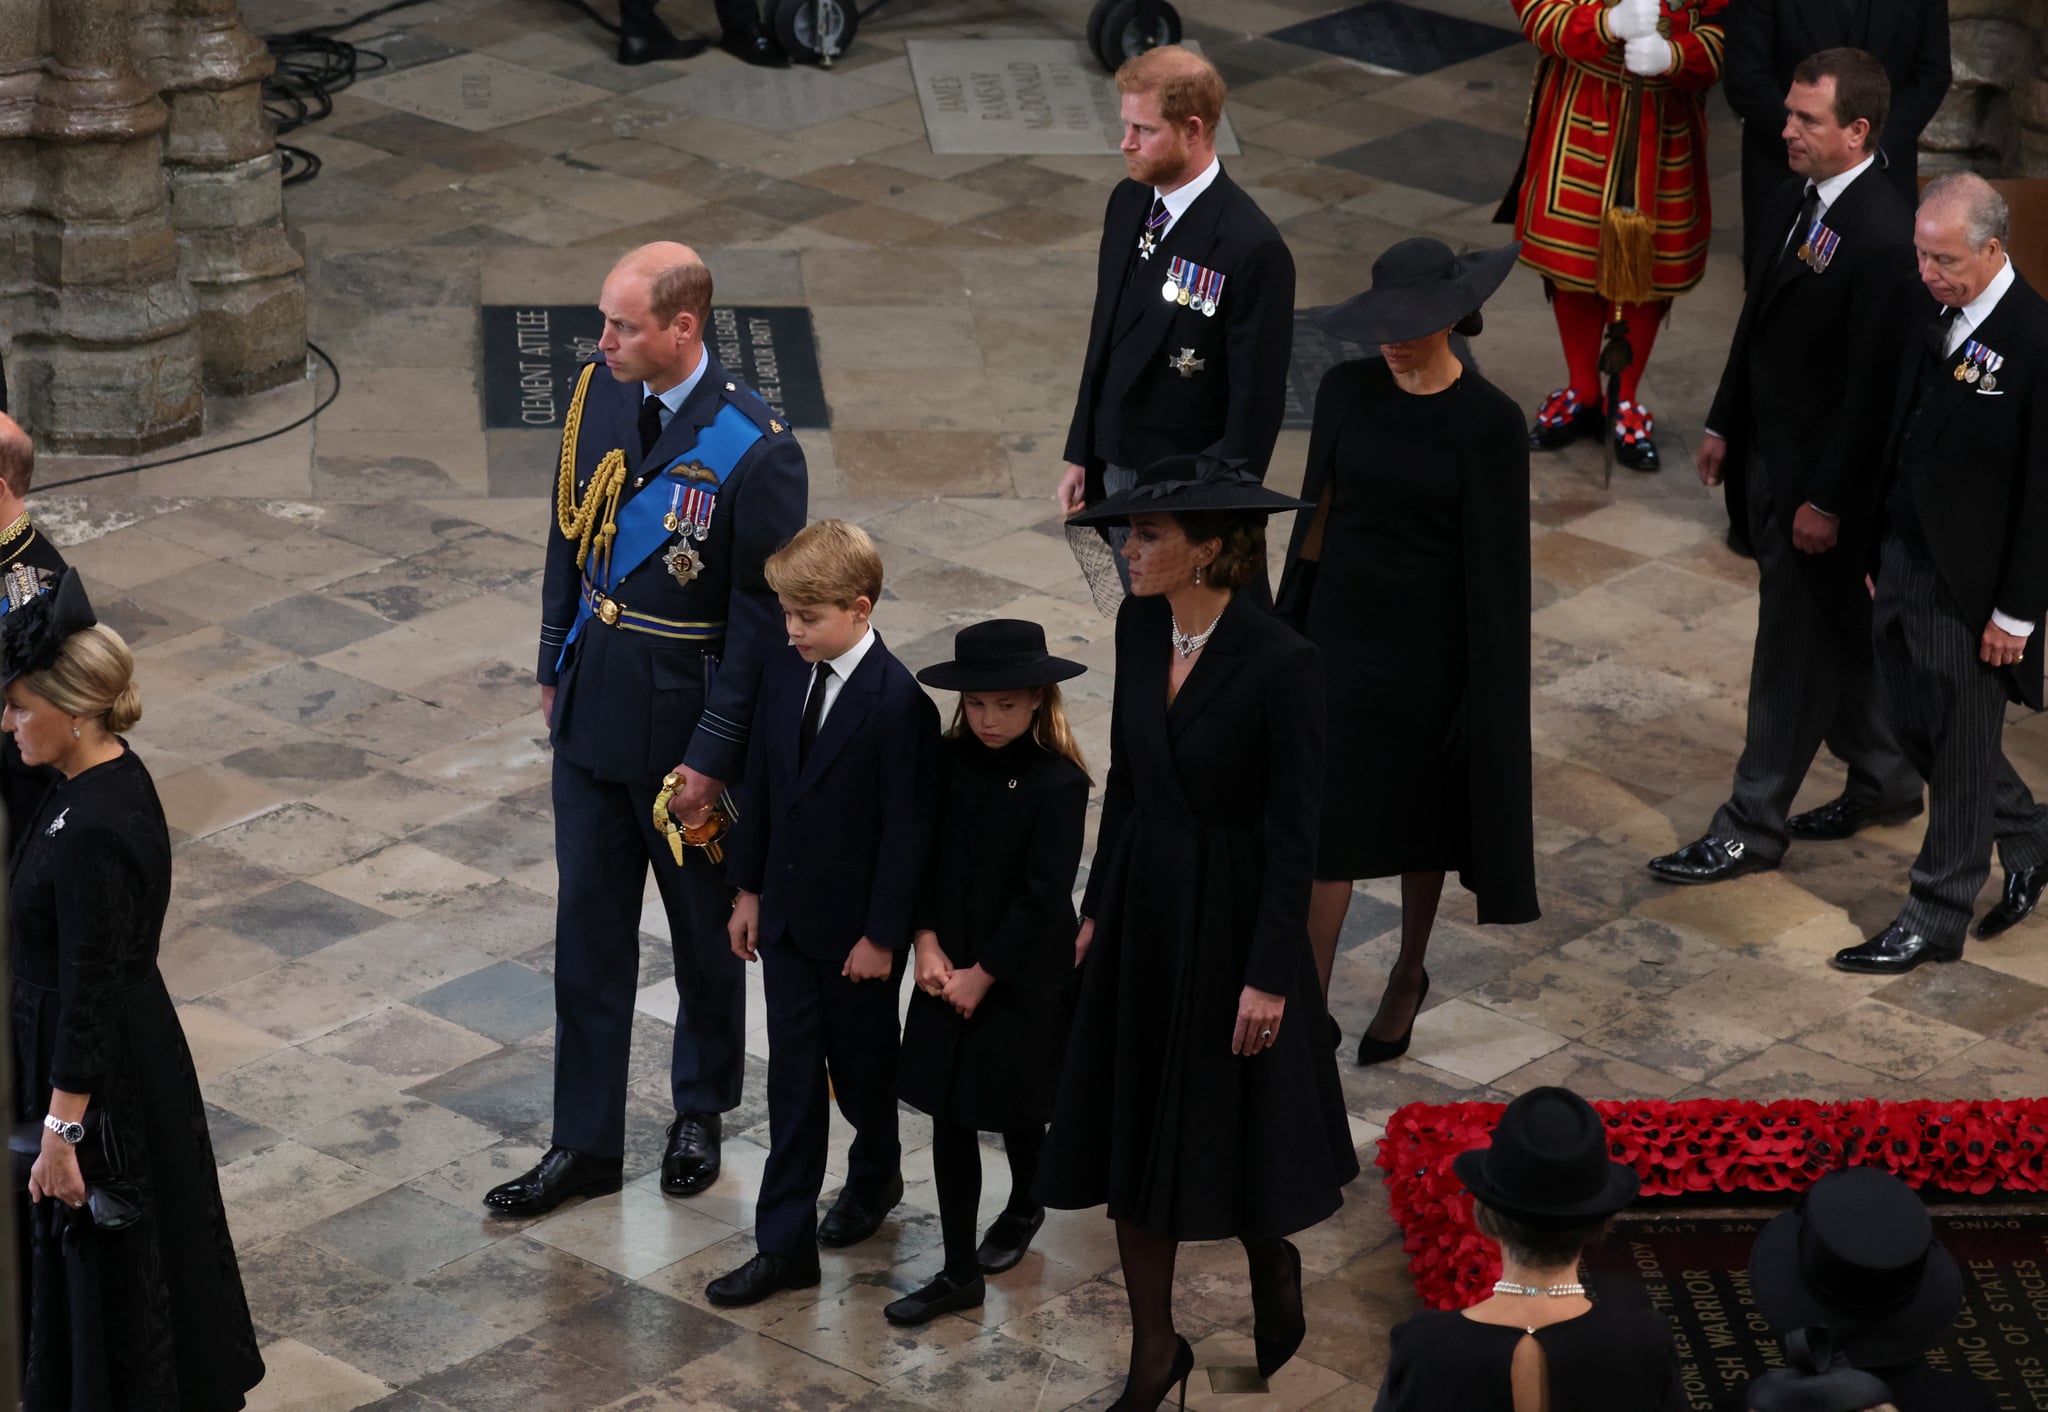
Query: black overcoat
pixel 1199 888
pixel 1819 420
pixel 151 1318
pixel 999 894
pixel 1162 379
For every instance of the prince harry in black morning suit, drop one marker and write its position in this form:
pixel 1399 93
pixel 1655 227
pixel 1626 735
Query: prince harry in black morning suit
pixel 1194 296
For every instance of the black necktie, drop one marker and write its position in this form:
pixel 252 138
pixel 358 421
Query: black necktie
pixel 1938 332
pixel 814 712
pixel 1809 209
pixel 650 424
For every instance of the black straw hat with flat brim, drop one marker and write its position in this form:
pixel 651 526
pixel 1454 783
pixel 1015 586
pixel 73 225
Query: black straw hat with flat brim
pixel 1418 288
pixel 1858 1256
pixel 1547 1165
pixel 1179 485
pixel 1003 654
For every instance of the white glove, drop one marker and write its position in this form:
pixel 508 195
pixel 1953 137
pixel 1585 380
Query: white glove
pixel 1649 56
pixel 1632 19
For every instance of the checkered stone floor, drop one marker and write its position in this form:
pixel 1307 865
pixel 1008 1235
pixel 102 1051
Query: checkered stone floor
pixel 336 630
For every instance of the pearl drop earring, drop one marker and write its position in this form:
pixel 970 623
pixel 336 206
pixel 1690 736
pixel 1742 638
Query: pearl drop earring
pixel 1198 576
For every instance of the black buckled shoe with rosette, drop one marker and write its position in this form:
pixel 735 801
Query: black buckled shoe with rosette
pixel 1633 446
pixel 1563 418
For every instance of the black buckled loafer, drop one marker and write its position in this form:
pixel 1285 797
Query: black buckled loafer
pixel 1846 817
pixel 944 1295
pixel 2022 894
pixel 1009 1236
pixel 690 1162
pixel 1893 952
pixel 760 1277
pixel 754 45
pixel 559 1175
pixel 856 1215
pixel 1710 860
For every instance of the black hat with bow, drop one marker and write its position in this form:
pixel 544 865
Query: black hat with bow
pixel 1419 288
pixel 32 634
pixel 1180 485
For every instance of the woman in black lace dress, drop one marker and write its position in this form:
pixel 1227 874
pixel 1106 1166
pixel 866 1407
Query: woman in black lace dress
pixel 125 1310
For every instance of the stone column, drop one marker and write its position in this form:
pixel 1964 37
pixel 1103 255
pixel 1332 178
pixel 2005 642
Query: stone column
pixel 1996 118
pixel 226 199
pixel 106 353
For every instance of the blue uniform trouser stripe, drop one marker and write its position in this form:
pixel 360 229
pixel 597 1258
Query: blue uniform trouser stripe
pixel 604 843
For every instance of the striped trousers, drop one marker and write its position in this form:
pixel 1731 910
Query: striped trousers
pixel 1810 681
pixel 1948 711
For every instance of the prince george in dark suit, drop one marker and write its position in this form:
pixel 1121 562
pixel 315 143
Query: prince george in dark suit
pixel 1838 274
pixel 1962 576
pixel 676 485
pixel 828 854
pixel 1194 297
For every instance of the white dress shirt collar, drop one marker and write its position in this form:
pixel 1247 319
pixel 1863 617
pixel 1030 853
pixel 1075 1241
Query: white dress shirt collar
pixel 843 667
pixel 1831 190
pixel 1973 314
pixel 1181 197
pixel 673 399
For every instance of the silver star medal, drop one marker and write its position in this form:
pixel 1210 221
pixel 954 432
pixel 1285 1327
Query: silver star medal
pixel 56 823
pixel 683 562
pixel 1186 363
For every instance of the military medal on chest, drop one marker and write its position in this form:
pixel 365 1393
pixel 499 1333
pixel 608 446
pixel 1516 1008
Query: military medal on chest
pixel 1188 284
pixel 689 518
pixel 1979 366
pixel 1818 249
pixel 1148 238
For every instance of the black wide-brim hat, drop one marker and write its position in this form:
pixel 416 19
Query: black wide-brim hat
pixel 1418 288
pixel 1548 1165
pixel 1185 484
pixel 32 634
pixel 1858 1256
pixel 1002 654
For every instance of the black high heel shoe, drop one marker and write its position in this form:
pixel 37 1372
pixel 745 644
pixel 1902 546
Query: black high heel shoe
pixel 1274 1349
pixel 1183 1369
pixel 1378 1051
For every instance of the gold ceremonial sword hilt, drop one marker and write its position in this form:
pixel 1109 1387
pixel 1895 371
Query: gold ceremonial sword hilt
pixel 704 835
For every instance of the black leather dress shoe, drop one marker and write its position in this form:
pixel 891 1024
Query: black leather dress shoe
pixel 643 38
pixel 1845 817
pixel 1893 952
pixel 857 1215
pixel 760 1277
pixel 1710 860
pixel 1009 1236
pixel 754 45
pixel 2022 892
pixel 690 1161
pixel 560 1175
pixel 944 1295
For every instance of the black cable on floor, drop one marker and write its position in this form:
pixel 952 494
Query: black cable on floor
pixel 321 406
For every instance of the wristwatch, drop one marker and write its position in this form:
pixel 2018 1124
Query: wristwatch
pixel 73 1133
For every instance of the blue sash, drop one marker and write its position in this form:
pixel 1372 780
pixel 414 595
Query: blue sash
pixel 718 449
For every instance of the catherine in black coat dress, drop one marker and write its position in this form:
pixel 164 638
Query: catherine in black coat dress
pixel 1000 895
pixel 150 1318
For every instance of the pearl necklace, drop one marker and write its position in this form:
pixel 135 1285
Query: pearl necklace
pixel 1554 1291
pixel 1187 645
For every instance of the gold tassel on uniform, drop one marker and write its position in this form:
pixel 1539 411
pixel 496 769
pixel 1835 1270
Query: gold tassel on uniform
pixel 1625 271
pixel 580 523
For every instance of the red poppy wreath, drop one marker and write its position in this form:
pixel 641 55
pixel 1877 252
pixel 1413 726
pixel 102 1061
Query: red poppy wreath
pixel 1705 1146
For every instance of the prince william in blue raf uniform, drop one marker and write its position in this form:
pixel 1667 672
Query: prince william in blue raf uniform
pixel 676 485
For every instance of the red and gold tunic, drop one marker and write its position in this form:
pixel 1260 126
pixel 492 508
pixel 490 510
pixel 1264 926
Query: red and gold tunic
pixel 1576 112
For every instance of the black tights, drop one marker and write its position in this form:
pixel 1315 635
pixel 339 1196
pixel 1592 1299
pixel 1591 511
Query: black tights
pixel 956 1165
pixel 1148 1261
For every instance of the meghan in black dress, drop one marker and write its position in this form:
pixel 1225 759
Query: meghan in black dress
pixel 1198 1101
pixel 148 1316
pixel 1413 578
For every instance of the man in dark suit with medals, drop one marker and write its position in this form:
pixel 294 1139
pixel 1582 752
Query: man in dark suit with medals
pixel 1766 41
pixel 1194 297
pixel 29 565
pixel 1812 420
pixel 676 484
pixel 1962 576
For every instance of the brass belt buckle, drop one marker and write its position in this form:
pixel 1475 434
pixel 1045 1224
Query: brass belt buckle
pixel 607 611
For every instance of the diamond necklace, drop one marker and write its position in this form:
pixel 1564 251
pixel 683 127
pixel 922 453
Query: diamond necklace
pixel 1555 1291
pixel 1188 644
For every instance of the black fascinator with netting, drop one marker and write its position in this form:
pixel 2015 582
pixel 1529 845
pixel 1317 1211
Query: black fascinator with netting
pixel 32 634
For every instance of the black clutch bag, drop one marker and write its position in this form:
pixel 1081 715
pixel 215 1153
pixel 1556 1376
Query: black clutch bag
pixel 113 1201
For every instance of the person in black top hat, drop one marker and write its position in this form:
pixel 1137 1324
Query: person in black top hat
pixel 1858 1257
pixel 1545 1190
pixel 1412 577
pixel 986 1029
pixel 1199 1100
